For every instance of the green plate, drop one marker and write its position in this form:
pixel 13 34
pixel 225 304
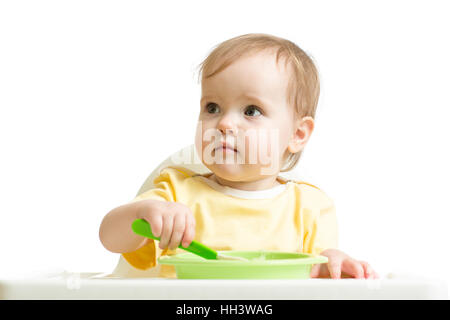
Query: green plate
pixel 261 265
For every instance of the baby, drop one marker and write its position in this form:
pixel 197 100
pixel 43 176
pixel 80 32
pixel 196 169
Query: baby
pixel 259 97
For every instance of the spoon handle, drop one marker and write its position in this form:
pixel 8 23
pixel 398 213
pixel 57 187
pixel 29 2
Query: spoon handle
pixel 142 228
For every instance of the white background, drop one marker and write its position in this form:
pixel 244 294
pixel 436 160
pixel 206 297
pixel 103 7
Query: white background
pixel 95 94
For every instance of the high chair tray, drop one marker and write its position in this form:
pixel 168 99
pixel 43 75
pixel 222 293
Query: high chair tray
pixel 101 286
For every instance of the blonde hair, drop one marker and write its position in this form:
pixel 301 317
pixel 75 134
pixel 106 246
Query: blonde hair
pixel 303 87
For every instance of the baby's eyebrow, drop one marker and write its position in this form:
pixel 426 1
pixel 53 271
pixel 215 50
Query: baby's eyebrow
pixel 257 99
pixel 205 98
pixel 248 96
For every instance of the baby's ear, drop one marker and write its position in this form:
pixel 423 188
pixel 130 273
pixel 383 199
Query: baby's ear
pixel 302 132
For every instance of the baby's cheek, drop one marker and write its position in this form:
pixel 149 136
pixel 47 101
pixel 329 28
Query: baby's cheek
pixel 199 138
pixel 269 142
pixel 260 146
pixel 205 139
pixel 250 147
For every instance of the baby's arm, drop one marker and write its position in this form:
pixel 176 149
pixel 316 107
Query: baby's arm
pixel 322 238
pixel 172 221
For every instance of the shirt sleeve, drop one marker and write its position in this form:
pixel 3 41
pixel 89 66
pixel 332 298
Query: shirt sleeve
pixel 324 231
pixel 145 257
pixel 321 228
pixel 163 189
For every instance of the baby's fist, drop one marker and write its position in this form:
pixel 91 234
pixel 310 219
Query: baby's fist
pixel 173 222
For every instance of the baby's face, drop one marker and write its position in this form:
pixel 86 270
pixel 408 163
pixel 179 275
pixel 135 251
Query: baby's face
pixel 245 106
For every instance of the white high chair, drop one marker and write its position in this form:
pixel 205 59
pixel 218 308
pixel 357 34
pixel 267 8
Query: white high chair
pixel 73 285
pixel 186 157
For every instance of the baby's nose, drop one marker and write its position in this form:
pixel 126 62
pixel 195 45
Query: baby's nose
pixel 228 125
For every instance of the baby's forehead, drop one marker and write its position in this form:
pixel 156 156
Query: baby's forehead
pixel 253 72
pixel 265 61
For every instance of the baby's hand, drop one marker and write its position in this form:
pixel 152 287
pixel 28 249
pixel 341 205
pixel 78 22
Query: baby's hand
pixel 339 264
pixel 173 222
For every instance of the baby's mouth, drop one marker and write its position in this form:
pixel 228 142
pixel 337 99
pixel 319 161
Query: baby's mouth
pixel 226 148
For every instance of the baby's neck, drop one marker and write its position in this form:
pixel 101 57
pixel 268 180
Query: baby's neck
pixel 261 184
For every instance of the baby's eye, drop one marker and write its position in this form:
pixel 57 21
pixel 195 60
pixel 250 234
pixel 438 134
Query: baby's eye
pixel 252 111
pixel 212 108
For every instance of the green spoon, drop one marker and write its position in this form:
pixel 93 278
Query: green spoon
pixel 142 228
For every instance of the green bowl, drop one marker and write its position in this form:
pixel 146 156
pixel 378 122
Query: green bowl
pixel 261 265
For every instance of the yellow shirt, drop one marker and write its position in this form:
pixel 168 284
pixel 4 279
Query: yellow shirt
pixel 293 216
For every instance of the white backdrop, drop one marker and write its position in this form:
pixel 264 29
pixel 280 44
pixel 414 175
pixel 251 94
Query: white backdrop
pixel 94 94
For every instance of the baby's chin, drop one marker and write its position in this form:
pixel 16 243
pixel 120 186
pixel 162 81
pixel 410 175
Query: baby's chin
pixel 236 172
